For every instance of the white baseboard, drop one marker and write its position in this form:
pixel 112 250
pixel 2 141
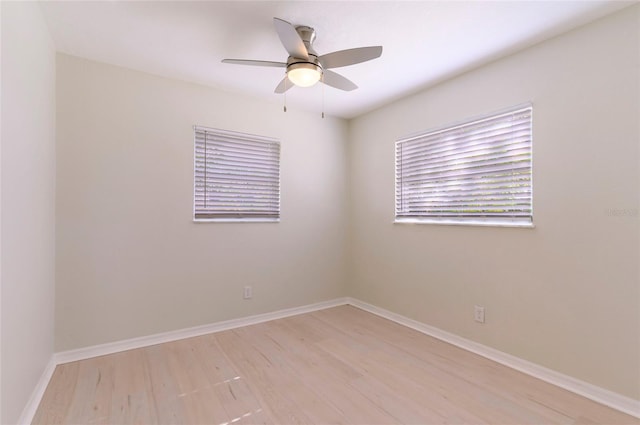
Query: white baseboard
pixel 590 391
pixel 585 389
pixel 29 410
pixel 145 341
pixel 115 347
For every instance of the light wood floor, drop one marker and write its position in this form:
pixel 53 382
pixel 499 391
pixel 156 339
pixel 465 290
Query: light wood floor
pixel 340 365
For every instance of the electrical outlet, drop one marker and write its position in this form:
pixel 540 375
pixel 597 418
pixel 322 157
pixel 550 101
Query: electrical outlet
pixel 248 292
pixel 478 314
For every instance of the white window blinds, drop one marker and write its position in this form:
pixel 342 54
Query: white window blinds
pixel 478 171
pixel 236 176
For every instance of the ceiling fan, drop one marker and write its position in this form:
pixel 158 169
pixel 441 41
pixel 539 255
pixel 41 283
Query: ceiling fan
pixel 304 67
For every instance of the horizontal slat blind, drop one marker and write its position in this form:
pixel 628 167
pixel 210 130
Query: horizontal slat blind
pixel 236 176
pixel 475 171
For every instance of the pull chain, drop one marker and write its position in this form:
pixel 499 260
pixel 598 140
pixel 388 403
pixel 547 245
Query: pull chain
pixel 323 95
pixel 285 93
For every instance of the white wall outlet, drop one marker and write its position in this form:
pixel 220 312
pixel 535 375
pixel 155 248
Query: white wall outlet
pixel 248 292
pixel 478 314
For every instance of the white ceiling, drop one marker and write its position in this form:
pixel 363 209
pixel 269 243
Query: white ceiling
pixel 424 42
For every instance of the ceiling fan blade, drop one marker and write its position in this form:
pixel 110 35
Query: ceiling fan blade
pixel 290 39
pixel 337 81
pixel 349 56
pixel 284 85
pixel 255 63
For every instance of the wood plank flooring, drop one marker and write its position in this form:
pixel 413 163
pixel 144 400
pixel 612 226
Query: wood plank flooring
pixel 341 365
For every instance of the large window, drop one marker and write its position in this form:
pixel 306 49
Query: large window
pixel 236 176
pixel 476 172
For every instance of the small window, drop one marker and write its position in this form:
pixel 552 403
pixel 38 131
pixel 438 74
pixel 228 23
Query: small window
pixel 236 176
pixel 477 172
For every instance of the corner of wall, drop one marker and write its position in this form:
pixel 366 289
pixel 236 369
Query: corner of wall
pixel 27 221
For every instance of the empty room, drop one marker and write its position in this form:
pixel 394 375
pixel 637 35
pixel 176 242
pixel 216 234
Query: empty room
pixel 355 212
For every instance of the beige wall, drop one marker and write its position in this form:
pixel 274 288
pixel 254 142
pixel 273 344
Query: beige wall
pixel 130 260
pixel 566 294
pixel 27 224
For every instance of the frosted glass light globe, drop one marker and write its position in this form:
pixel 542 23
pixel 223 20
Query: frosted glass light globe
pixel 304 74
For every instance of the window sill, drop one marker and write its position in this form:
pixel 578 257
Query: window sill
pixel 482 223
pixel 236 220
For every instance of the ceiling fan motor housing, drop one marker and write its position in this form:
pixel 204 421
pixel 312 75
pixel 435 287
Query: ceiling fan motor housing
pixel 308 36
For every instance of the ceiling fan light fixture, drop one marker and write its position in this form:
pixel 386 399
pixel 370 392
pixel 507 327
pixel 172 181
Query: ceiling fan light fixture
pixel 304 74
